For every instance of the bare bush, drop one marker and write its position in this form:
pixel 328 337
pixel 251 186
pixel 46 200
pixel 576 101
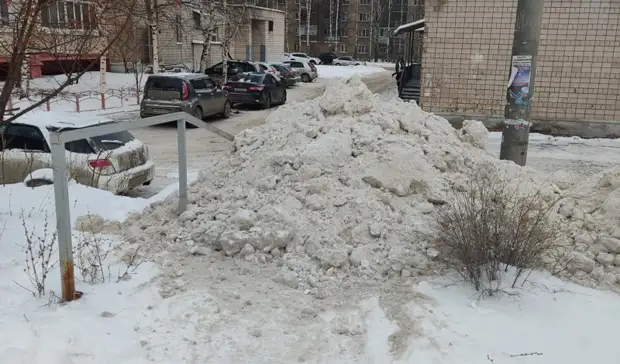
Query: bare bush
pixel 41 257
pixel 494 225
pixel 93 250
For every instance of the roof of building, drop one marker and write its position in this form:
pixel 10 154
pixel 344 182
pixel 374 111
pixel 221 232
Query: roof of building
pixel 410 27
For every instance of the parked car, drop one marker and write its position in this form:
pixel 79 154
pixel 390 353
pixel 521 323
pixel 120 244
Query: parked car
pixel 194 93
pixel 266 67
pixel 287 75
pixel 346 61
pixel 296 56
pixel 115 162
pixel 234 67
pixel 327 58
pixel 256 88
pixel 167 68
pixel 307 71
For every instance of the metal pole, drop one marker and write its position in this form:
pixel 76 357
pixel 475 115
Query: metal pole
pixel 515 136
pixel 63 218
pixel 181 140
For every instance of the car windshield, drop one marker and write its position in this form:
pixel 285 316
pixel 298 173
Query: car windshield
pixel 249 78
pixel 295 64
pixel 112 141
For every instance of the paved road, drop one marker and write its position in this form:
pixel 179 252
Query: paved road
pixel 203 146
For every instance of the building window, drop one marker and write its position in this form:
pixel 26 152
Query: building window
pixel 382 48
pixel 362 49
pixel 364 2
pixel 343 48
pixel 364 17
pixel 363 33
pixel 179 31
pixel 197 17
pixel 67 14
pixel 271 26
pixel 4 12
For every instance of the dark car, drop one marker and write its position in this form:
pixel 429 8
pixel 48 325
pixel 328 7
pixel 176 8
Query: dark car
pixel 327 58
pixel 194 93
pixel 287 74
pixel 234 68
pixel 256 88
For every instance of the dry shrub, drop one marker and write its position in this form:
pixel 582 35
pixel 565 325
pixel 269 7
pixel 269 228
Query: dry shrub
pixel 494 225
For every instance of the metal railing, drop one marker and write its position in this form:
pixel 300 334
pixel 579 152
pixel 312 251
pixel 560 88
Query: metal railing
pixel 61 175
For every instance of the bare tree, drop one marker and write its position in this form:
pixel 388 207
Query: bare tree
pixel 66 32
pixel 236 16
pixel 378 9
pixel 308 7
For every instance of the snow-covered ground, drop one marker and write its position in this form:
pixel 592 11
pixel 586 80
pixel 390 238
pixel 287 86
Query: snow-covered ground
pixel 37 330
pixel 382 64
pixel 583 157
pixel 346 71
pixel 89 82
pixel 208 308
pixel 239 313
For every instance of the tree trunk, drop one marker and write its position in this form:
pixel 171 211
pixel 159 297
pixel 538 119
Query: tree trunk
pixel 152 21
pixel 299 24
pixel 206 49
pixel 308 9
pixel 337 26
pixel 24 84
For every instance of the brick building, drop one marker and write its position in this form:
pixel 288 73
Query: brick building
pixel 467 58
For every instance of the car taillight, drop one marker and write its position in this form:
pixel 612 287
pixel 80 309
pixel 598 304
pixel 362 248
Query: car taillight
pixel 312 67
pixel 271 70
pixel 228 87
pixel 255 88
pixel 100 163
pixel 185 91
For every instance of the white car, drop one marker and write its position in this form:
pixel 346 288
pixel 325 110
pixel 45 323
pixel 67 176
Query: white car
pixel 266 67
pixel 307 71
pixel 114 162
pixel 295 56
pixel 346 61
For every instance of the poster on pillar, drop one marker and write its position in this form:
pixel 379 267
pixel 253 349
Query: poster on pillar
pixel 520 78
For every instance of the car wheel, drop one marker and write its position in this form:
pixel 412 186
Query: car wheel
pixel 337 64
pixel 37 182
pixel 197 113
pixel 305 78
pixel 283 98
pixel 266 102
pixel 227 110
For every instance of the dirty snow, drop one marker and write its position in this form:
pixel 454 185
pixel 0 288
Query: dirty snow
pixel 347 184
pixel 347 71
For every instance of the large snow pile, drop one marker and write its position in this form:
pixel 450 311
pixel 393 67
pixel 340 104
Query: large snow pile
pixel 347 184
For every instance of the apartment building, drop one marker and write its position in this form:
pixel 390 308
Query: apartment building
pixel 66 38
pixel 256 33
pixel 467 59
pixel 359 28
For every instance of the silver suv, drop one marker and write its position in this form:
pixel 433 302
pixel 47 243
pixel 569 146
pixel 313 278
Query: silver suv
pixel 194 93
